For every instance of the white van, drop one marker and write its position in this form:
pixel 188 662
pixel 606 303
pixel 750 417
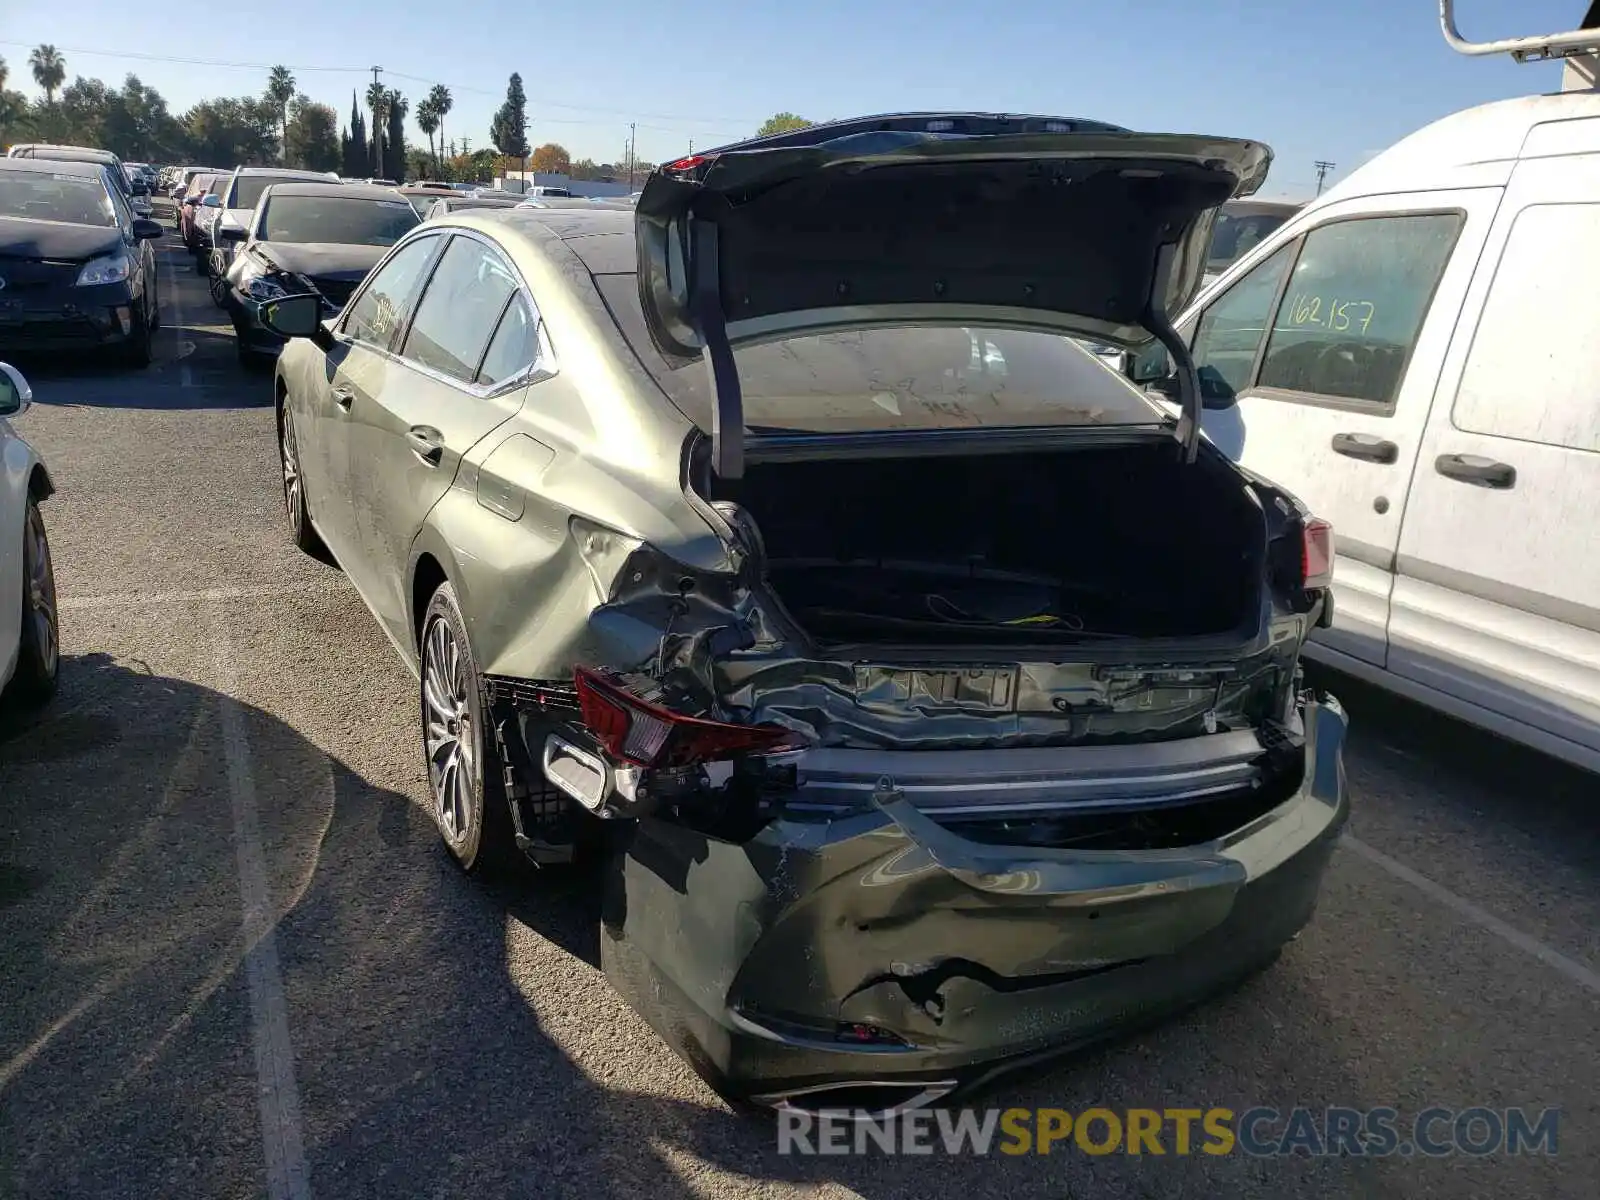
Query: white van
pixel 1416 354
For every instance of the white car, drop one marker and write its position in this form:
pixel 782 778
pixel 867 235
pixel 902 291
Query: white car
pixel 30 636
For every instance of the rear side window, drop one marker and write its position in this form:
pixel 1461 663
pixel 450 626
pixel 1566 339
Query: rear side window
pixel 460 309
pixel 382 306
pixel 514 346
pixel 1355 304
pixel 1531 373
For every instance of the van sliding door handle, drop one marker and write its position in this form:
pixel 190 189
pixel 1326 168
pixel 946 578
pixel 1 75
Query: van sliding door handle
pixel 1473 469
pixel 1365 447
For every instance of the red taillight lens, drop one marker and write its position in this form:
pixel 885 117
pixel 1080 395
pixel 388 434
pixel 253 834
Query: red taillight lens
pixel 1316 554
pixel 644 733
pixel 689 164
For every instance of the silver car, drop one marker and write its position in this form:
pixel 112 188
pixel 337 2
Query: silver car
pixel 931 695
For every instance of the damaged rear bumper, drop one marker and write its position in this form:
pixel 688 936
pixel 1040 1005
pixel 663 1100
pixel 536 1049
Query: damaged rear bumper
pixel 885 954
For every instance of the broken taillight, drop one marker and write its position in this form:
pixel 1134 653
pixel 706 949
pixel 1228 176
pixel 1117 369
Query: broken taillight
pixel 647 734
pixel 1316 554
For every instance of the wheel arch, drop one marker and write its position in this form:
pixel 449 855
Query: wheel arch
pixel 427 574
pixel 40 486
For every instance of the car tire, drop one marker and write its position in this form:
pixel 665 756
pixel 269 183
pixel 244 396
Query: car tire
pixel 301 529
pixel 465 779
pixel 39 646
pixel 139 350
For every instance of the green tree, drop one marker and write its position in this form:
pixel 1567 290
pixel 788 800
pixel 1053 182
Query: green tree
pixel 378 105
pixel 428 122
pixel 232 129
pixel 441 101
pixel 280 91
pixel 508 132
pixel 782 123
pixel 551 159
pixel 353 162
pixel 16 122
pixel 311 136
pixel 49 70
pixel 394 142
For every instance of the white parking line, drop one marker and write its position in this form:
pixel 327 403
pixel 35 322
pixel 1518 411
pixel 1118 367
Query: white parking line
pixel 202 596
pixel 288 1176
pixel 1581 975
pixel 180 323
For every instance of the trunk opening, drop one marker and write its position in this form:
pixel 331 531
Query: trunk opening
pixel 1059 546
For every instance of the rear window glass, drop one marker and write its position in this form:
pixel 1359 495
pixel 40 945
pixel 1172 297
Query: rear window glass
pixel 248 191
pixel 913 377
pixel 339 220
pixel 45 196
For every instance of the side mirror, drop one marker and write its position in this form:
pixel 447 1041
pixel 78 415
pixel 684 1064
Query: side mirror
pixel 231 234
pixel 296 317
pixel 191 200
pixel 141 188
pixel 212 200
pixel 15 394
pixel 145 229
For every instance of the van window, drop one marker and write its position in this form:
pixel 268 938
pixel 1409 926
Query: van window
pixel 1231 329
pixel 1354 306
pixel 1531 372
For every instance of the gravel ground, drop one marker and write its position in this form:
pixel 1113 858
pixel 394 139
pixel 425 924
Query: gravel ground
pixel 235 961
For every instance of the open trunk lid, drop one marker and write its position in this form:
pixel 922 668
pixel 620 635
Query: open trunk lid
pixel 1043 223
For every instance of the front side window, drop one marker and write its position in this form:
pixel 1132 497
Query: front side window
pixel 384 302
pixel 336 220
pixel 1231 329
pixel 1531 372
pixel 1355 304
pixel 460 309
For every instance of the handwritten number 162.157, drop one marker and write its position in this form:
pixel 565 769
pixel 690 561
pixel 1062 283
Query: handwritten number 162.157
pixel 1337 315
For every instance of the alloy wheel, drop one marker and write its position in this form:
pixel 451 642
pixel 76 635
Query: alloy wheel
pixel 41 583
pixel 290 454
pixel 449 736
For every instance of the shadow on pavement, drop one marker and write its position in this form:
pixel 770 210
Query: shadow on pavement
pixel 129 1047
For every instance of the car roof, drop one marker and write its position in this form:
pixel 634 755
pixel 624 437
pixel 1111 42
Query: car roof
pixel 55 166
pixel 342 191
pixel 280 173
pixel 47 150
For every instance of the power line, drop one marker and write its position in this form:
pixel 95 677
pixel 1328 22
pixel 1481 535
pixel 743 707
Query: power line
pixel 1322 172
pixel 727 122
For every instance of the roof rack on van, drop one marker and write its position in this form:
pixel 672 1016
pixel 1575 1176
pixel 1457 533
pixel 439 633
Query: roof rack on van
pixel 1538 48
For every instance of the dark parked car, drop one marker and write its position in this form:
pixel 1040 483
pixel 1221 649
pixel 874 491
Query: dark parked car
pixel 939 691
pixel 310 237
pixel 76 268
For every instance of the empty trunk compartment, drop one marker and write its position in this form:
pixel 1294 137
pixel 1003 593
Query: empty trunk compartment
pixel 1117 542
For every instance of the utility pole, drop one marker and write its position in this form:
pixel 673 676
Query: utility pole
pixel 633 134
pixel 1322 172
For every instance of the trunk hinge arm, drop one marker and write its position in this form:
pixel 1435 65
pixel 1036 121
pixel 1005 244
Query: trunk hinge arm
pixel 705 305
pixel 1155 319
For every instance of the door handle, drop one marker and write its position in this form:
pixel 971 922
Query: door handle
pixel 1365 447
pixel 1473 469
pixel 427 443
pixel 344 397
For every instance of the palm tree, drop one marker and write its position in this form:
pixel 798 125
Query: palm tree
pixel 428 122
pixel 4 71
pixel 440 100
pixel 378 103
pixel 49 70
pixel 280 90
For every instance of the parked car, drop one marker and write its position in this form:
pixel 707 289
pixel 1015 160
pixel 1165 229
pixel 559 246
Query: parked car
pixel 1241 226
pixel 76 263
pixel 930 745
pixel 199 185
pixel 422 196
pixel 30 633
pixel 309 237
pixel 1410 352
pixel 131 196
pixel 208 212
pixel 446 205
pixel 231 226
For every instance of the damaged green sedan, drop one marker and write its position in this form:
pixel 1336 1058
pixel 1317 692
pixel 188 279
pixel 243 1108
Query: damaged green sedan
pixel 937 692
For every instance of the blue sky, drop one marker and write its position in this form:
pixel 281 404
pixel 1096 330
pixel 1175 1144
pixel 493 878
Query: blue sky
pixel 1337 80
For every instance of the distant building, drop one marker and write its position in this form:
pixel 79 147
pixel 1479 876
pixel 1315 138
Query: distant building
pixel 578 187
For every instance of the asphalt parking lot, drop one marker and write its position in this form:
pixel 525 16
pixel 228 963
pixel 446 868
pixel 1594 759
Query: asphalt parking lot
pixel 235 960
